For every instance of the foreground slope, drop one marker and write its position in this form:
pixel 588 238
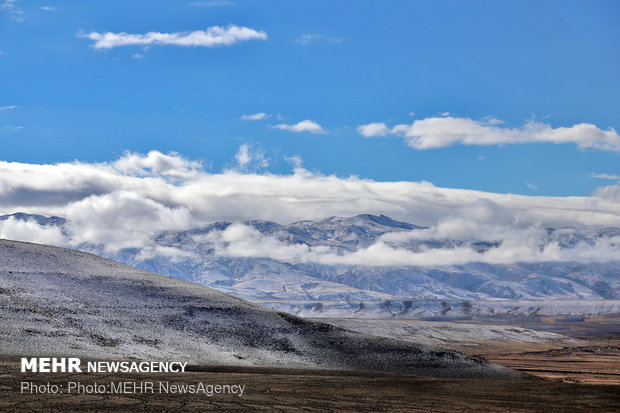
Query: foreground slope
pixel 56 301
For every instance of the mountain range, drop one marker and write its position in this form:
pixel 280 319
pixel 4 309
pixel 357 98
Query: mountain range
pixel 279 275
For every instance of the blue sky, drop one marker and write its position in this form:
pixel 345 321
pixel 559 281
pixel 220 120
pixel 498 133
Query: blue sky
pixel 339 64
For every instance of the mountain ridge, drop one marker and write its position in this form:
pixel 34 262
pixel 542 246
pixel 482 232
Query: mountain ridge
pixel 312 288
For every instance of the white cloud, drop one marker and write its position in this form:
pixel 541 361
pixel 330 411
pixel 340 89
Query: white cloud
pixel 123 203
pixel 8 4
pixel 137 56
pixel 212 3
pixel 31 231
pixel 310 38
pixel 517 245
pixel 124 219
pixel 171 253
pixel 10 107
pixel 48 8
pixel 303 126
pixel 249 159
pixel 212 37
pixel 605 176
pixel 171 166
pixel 609 193
pixel 297 163
pixel 439 132
pixel 373 129
pixel 256 116
pixel 10 7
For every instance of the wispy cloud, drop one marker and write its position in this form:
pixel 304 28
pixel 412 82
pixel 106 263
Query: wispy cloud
pixel 531 186
pixel 212 3
pixel 310 38
pixel 250 159
pixel 256 116
pixel 439 132
pixel 211 37
pixel 48 8
pixel 8 4
pixel 303 126
pixel 605 176
pixel 10 107
pixel 10 7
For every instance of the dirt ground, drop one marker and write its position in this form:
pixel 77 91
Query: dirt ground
pixel 583 378
pixel 595 361
pixel 309 390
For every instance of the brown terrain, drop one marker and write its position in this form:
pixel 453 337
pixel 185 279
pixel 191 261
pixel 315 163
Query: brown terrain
pixel 313 390
pixel 583 378
pixel 595 361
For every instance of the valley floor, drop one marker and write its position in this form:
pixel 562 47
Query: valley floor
pixel 597 363
pixel 587 352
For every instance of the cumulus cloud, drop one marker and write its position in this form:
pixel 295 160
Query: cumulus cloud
pixel 609 193
pixel 211 37
pixel 124 203
pixel 439 132
pixel 303 126
pixel 374 129
pixel 156 163
pixel 256 116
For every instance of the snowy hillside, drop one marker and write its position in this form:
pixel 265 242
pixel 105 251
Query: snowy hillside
pixel 56 301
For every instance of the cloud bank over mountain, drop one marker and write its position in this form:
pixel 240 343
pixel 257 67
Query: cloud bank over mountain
pixel 124 203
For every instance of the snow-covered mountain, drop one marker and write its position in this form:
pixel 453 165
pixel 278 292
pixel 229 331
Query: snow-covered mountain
pixel 302 268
